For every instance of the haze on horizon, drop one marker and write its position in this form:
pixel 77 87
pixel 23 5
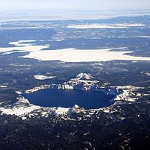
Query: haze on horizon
pixel 81 5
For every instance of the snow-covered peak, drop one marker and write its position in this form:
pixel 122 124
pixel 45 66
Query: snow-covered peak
pixel 84 76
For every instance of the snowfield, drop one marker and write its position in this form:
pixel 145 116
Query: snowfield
pixel 104 26
pixel 70 54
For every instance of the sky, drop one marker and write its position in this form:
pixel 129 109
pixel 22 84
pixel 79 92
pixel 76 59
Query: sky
pixel 83 5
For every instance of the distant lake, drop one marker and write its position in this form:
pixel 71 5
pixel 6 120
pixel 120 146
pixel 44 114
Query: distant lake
pixel 68 98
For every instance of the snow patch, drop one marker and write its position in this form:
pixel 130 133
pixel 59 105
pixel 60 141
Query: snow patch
pixel 61 111
pixel 37 88
pixel 3 86
pixel 127 93
pixel 148 74
pixel 43 77
pixel 104 26
pixel 146 36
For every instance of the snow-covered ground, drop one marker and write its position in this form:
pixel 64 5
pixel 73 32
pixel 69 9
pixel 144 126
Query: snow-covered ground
pixel 78 55
pixel 148 36
pixel 43 77
pixel 104 26
pixel 128 93
pixel 20 108
pixel 70 54
pixel 36 89
pixel 3 86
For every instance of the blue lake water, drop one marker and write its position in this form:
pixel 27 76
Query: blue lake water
pixel 68 98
